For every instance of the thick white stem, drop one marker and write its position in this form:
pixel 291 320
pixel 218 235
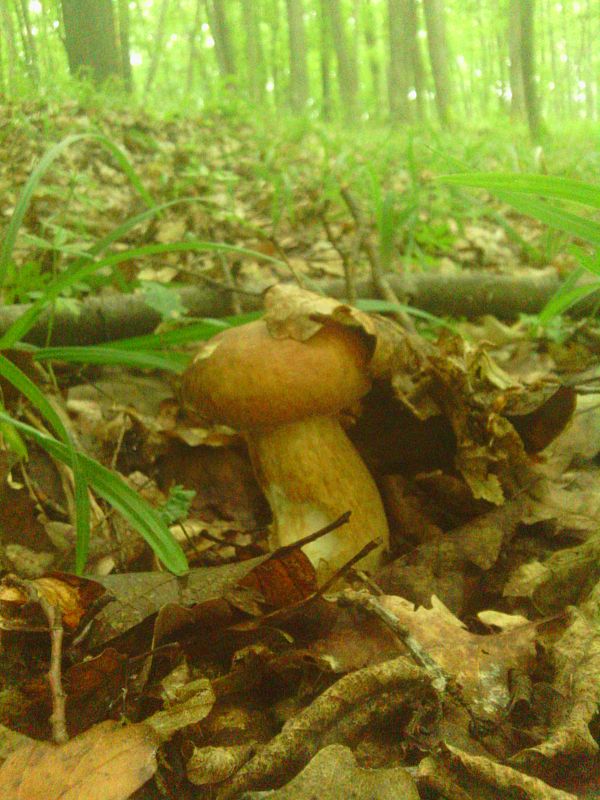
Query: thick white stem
pixel 311 473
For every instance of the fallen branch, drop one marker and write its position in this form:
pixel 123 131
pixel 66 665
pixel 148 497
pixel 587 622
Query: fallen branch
pixel 464 294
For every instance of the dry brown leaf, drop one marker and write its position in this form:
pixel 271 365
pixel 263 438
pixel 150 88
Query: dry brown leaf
pixel 209 765
pixel 334 774
pixel 478 778
pixel 341 713
pixel 479 664
pixel 107 762
pixel 72 595
pixel 187 705
pixel 565 578
pixel 576 657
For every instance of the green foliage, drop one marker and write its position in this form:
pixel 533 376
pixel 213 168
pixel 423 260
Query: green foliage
pixel 537 195
pixel 149 523
pixel 145 519
pixel 178 504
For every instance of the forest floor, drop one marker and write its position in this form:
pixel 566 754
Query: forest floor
pixel 468 663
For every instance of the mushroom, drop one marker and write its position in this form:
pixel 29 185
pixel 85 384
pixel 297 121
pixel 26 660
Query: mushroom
pixel 284 396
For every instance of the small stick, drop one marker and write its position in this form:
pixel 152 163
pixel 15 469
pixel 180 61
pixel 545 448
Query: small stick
pixel 53 614
pixel 379 280
pixel 346 263
pixel 371 604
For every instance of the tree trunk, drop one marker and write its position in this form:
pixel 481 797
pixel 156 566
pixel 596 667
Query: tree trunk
pixel 558 93
pixel 222 36
pixel 46 50
pixel 123 16
pixel 399 68
pixel 347 67
pixel 325 62
pixel 517 101
pixel 485 49
pixel 11 47
pixel 28 40
pixel 158 43
pixel 192 54
pixel 417 59
pixel 91 39
pixel 371 42
pixel 298 69
pixel 254 51
pixel 438 56
pixel 528 68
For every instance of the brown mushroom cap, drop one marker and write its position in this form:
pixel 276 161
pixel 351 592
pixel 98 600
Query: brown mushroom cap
pixel 245 378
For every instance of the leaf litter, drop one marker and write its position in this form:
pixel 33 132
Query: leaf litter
pixel 468 666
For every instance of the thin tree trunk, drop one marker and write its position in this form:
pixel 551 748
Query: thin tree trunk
pixel 347 67
pixel 46 50
pixel 569 78
pixel 217 19
pixel 438 56
pixel 517 99
pixel 558 93
pixel 528 66
pixel 502 76
pixel 255 58
pixel 592 108
pixel 399 68
pixel 28 40
pixel 192 53
pixel 298 67
pixel 371 42
pixel 486 72
pixel 124 43
pixel 417 59
pixel 11 47
pixel 325 62
pixel 157 46
pixel 275 18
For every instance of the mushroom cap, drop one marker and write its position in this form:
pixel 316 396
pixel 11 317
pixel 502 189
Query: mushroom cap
pixel 245 378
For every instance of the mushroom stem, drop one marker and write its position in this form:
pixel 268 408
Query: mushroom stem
pixel 311 473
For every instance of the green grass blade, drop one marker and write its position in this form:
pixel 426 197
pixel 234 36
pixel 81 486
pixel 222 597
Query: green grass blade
pixel 543 185
pixel 194 332
pixel 574 225
pixel 145 519
pixel 140 352
pixel 39 171
pixel 82 504
pixel 77 273
pixel 136 359
pixel 387 307
pixel 564 300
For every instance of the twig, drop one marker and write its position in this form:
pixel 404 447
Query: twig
pixel 53 614
pixel 234 301
pixel 372 605
pixel 218 284
pixel 379 280
pixel 346 262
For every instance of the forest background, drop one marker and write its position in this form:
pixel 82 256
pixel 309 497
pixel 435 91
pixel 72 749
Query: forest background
pixel 408 61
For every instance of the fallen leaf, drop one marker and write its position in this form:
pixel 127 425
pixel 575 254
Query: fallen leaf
pixel 107 762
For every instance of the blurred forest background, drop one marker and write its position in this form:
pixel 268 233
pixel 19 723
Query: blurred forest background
pixel 408 61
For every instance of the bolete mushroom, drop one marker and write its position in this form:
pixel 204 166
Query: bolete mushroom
pixel 284 396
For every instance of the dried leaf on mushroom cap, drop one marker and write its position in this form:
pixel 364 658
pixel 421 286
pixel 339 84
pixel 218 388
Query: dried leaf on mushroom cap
pixel 292 312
